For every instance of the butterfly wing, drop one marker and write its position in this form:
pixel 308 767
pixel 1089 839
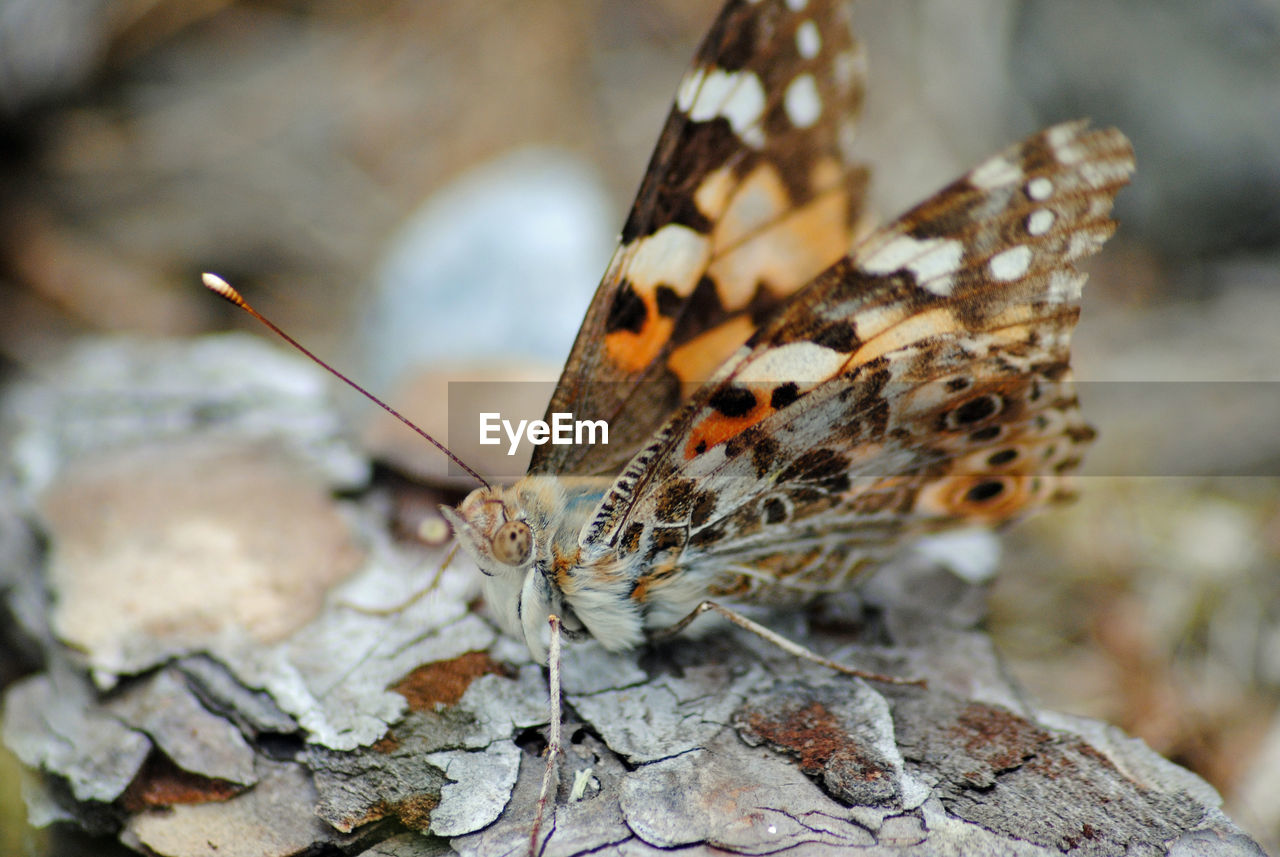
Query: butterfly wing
pixel 748 196
pixel 919 383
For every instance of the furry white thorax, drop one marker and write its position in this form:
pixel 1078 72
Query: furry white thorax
pixel 589 591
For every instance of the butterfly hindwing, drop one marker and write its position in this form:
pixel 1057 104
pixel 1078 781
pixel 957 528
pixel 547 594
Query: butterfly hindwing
pixel 920 382
pixel 749 194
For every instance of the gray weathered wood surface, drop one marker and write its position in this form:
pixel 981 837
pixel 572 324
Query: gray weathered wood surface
pixel 195 545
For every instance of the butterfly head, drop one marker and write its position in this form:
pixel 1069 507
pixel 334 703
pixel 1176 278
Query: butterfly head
pixel 524 539
pixel 492 529
pixel 495 530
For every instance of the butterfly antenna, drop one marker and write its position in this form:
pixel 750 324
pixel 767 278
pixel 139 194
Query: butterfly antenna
pixel 223 289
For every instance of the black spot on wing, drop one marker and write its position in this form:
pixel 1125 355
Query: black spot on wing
pixel 985 491
pixel 1066 465
pixel 669 301
pixel 745 440
pixel 627 312
pixel 838 336
pixel 707 536
pixel 1081 434
pixel 783 395
pixel 703 508
pixel 985 434
pixel 1052 370
pixel 665 539
pixel 816 465
pixel 631 538
pixel 764 456
pixel 974 411
pixel 775 511
pixel 1002 457
pixel 675 501
pixel 733 401
pixel 686 153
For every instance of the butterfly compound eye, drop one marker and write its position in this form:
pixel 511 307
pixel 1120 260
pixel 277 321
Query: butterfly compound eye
pixel 512 543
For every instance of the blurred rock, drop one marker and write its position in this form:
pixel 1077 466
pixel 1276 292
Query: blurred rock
pixel 49 47
pixel 515 247
pixel 1193 86
pixel 494 272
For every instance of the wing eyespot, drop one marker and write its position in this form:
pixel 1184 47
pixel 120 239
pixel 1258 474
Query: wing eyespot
pixel 984 492
pixel 985 434
pixel 1002 457
pixel 975 411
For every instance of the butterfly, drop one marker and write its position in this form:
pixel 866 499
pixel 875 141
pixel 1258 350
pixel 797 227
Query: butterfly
pixel 792 394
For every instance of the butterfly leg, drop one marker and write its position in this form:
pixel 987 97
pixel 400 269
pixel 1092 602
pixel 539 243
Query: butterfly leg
pixel 553 734
pixel 778 640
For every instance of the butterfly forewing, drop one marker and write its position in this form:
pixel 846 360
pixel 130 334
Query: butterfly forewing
pixel 921 382
pixel 748 196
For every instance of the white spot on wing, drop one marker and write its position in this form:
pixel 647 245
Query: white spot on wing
pixel 1039 221
pixel 745 107
pixel 804 363
pixel 1062 139
pixel 993 173
pixel 1039 188
pixel 673 256
pixel 689 89
pixel 797 5
pixel 1011 264
pixel 849 67
pixel 933 261
pixel 808 39
pixel 1097 174
pixel 802 101
pixel 713 90
pixel 1099 206
pixel 1084 244
pixel 1065 286
pixel 738 96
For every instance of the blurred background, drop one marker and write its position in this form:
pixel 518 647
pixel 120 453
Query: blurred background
pixel 414 186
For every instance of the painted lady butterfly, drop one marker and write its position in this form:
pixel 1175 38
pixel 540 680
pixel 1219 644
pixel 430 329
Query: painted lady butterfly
pixel 790 397
pixel 791 393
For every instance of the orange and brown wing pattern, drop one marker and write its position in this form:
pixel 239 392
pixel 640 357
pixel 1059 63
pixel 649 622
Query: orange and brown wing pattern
pixel 748 196
pixel 920 383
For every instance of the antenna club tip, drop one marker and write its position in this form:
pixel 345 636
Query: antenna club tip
pixel 221 287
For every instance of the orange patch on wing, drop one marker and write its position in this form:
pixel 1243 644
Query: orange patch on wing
pixel 697 359
pixel 632 351
pixel 717 428
pixel 988 500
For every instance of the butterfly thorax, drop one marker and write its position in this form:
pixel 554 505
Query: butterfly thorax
pixel 525 539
